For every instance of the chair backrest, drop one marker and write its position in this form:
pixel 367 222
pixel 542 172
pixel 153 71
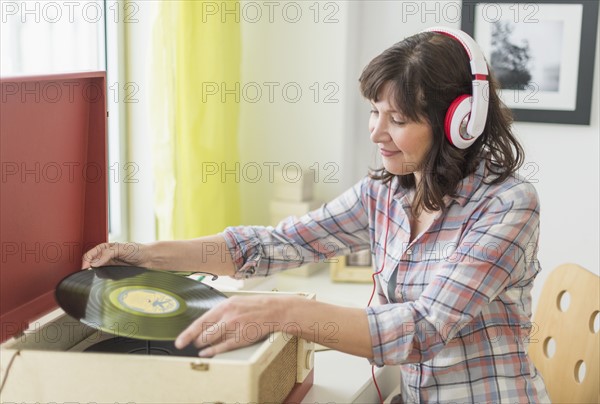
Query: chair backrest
pixel 565 341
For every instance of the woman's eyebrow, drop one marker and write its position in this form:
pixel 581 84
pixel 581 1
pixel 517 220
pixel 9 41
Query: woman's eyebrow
pixel 387 109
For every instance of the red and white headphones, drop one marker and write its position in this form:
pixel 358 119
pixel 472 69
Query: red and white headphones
pixel 466 116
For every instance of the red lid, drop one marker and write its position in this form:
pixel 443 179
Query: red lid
pixel 53 190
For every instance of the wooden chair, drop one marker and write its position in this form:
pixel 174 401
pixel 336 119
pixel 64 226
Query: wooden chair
pixel 565 342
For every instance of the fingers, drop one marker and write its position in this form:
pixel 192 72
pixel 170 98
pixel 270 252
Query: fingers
pixel 96 256
pixel 212 338
pixel 234 323
pixel 203 331
pixel 224 346
pixel 111 254
pixel 191 333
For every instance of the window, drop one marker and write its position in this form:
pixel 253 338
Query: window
pixel 48 37
pixel 44 37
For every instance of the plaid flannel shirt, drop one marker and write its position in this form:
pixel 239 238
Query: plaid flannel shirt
pixel 455 303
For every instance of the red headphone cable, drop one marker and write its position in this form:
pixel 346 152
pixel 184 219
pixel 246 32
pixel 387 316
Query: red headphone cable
pixel 387 228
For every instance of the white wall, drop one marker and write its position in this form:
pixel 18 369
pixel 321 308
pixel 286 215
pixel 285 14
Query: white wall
pixel 566 156
pixel 309 132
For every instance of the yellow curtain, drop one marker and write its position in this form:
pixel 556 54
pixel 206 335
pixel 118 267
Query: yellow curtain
pixel 195 114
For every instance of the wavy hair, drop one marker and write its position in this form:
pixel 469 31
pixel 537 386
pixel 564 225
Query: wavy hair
pixel 427 71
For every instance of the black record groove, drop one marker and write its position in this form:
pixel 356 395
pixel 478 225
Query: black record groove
pixel 135 302
pixel 141 347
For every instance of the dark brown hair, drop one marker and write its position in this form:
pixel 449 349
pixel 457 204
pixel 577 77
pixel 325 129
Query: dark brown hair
pixel 427 71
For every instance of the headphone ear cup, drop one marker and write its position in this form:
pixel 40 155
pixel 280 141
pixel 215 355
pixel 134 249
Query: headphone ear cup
pixel 458 112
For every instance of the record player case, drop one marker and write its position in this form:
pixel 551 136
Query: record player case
pixel 48 365
pixel 58 122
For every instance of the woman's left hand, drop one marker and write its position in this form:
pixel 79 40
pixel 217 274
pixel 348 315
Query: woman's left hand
pixel 235 323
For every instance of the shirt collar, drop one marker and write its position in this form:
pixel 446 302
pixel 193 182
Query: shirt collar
pixel 464 191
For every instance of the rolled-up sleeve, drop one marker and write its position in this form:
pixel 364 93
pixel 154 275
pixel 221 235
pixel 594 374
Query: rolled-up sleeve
pixel 491 256
pixel 337 228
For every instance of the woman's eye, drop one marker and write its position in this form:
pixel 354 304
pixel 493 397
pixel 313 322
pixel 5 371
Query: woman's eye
pixel 397 122
pixel 373 111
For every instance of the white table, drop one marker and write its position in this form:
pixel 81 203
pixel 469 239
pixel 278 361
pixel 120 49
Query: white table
pixel 339 377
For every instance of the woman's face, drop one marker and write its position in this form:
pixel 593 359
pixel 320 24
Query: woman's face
pixel 402 144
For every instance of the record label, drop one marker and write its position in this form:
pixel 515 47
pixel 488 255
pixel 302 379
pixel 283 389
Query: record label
pixel 145 300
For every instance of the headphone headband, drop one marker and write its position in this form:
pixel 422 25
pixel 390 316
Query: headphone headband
pixel 465 119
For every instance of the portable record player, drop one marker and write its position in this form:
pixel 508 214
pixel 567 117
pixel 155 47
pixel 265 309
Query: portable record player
pixel 54 208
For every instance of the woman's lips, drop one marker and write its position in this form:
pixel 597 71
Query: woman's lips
pixel 388 153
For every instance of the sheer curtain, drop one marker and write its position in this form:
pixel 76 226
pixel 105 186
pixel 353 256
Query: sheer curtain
pixel 195 135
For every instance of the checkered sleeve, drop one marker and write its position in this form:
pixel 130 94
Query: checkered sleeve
pixel 337 228
pixel 493 254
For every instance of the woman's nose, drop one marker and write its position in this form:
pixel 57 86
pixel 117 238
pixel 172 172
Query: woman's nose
pixel 378 129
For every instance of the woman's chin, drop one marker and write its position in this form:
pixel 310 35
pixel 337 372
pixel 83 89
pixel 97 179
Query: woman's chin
pixel 399 169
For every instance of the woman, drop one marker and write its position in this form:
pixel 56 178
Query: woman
pixel 453 231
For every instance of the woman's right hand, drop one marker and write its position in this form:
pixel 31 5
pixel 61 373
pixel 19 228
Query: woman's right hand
pixel 133 254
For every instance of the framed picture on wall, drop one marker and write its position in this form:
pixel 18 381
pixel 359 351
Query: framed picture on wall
pixel 542 53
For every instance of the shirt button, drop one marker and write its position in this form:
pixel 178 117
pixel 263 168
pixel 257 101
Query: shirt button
pixel 409 252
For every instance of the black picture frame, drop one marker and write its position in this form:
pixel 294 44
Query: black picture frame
pixel 486 12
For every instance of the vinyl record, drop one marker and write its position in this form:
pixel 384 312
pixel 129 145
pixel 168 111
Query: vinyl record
pixel 141 347
pixel 135 302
